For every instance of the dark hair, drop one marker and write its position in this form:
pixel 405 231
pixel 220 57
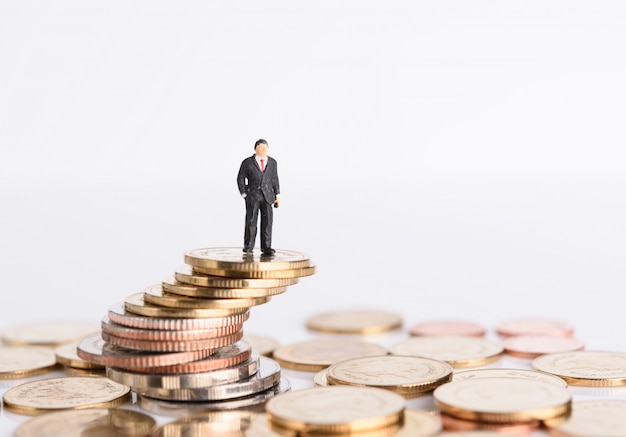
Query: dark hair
pixel 261 141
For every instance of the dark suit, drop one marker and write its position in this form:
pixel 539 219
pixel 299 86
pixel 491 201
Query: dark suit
pixel 260 189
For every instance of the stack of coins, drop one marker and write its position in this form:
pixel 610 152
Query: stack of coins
pixel 182 340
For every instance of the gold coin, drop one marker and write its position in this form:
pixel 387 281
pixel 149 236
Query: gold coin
pixel 136 304
pixel 262 274
pixel 48 333
pixel 67 355
pixel 419 424
pixel 458 351
pixel 232 258
pixel 262 344
pixel 532 346
pixel 171 285
pixel 186 276
pixel 355 322
pixel 315 355
pixel 25 361
pixel 502 400
pixel 519 428
pixel 599 417
pixel 212 423
pixel 448 327
pixel 156 296
pixel 88 422
pixel 585 368
pixel 508 373
pixel 71 392
pixel 321 378
pixel 406 375
pixel 335 409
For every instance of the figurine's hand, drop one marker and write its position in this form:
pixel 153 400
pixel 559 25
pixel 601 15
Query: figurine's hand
pixel 277 202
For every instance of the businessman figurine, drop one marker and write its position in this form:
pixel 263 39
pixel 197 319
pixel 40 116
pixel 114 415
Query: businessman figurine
pixel 257 181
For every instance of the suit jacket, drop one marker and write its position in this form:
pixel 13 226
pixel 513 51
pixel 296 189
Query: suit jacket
pixel 250 178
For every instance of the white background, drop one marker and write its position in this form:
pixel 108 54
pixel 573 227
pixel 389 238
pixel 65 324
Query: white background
pixel 442 159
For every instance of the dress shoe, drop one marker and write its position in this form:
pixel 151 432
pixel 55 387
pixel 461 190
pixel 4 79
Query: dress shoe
pixel 248 250
pixel 268 251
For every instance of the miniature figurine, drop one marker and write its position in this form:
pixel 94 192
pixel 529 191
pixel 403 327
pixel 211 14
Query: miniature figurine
pixel 258 184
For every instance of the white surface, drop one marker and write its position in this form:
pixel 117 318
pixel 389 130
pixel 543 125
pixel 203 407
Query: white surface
pixel 468 156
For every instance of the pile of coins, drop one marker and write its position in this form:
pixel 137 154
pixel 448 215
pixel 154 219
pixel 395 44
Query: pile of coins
pixel 183 339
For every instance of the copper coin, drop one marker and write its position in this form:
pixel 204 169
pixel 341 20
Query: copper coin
pixel 95 350
pixel 531 346
pixel 448 327
pixel 172 346
pixel 166 335
pixel 451 423
pixel 230 355
pixel 554 328
pixel 118 314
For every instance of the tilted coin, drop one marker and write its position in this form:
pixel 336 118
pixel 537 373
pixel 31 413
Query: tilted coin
pixel 455 424
pixel 585 368
pixel 48 333
pixel 119 315
pixel 335 409
pixel 66 355
pixel 320 379
pixel 456 350
pixel 406 375
pixel 185 275
pixel 155 295
pixel 535 326
pixel 171 285
pixel 355 322
pixel 315 355
pixel 479 434
pixel 532 346
pixel 118 330
pixel 598 417
pixel 88 422
pixel 268 375
pixel 231 258
pixel 73 392
pixel 508 373
pixel 448 327
pixel 419 424
pixel 263 344
pixel 225 356
pixel 502 400
pixel 228 424
pixel 24 361
pixel 172 346
pixel 135 303
pixel 254 402
pixel 139 381
pixel 262 274
pixel 95 350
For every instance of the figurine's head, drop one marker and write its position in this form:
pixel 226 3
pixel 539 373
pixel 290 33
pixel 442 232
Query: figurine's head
pixel 260 147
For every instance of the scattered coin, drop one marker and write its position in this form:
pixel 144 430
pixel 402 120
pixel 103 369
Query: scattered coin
pixel 419 424
pixel 408 376
pixel 88 422
pixel 321 378
pixel 585 368
pixel 535 327
pixel 458 351
pixel 508 373
pixel 448 327
pixel 222 423
pixel 335 409
pixel 263 344
pixel 455 424
pixel 532 346
pixel 66 355
pixel 355 322
pixel 231 258
pixel 502 400
pixel 594 418
pixel 24 361
pixel 73 392
pixel 48 333
pixel 315 355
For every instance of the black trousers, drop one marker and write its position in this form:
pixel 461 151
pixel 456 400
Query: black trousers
pixel 255 203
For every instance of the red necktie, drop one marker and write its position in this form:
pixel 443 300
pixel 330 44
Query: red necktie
pixel 262 165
